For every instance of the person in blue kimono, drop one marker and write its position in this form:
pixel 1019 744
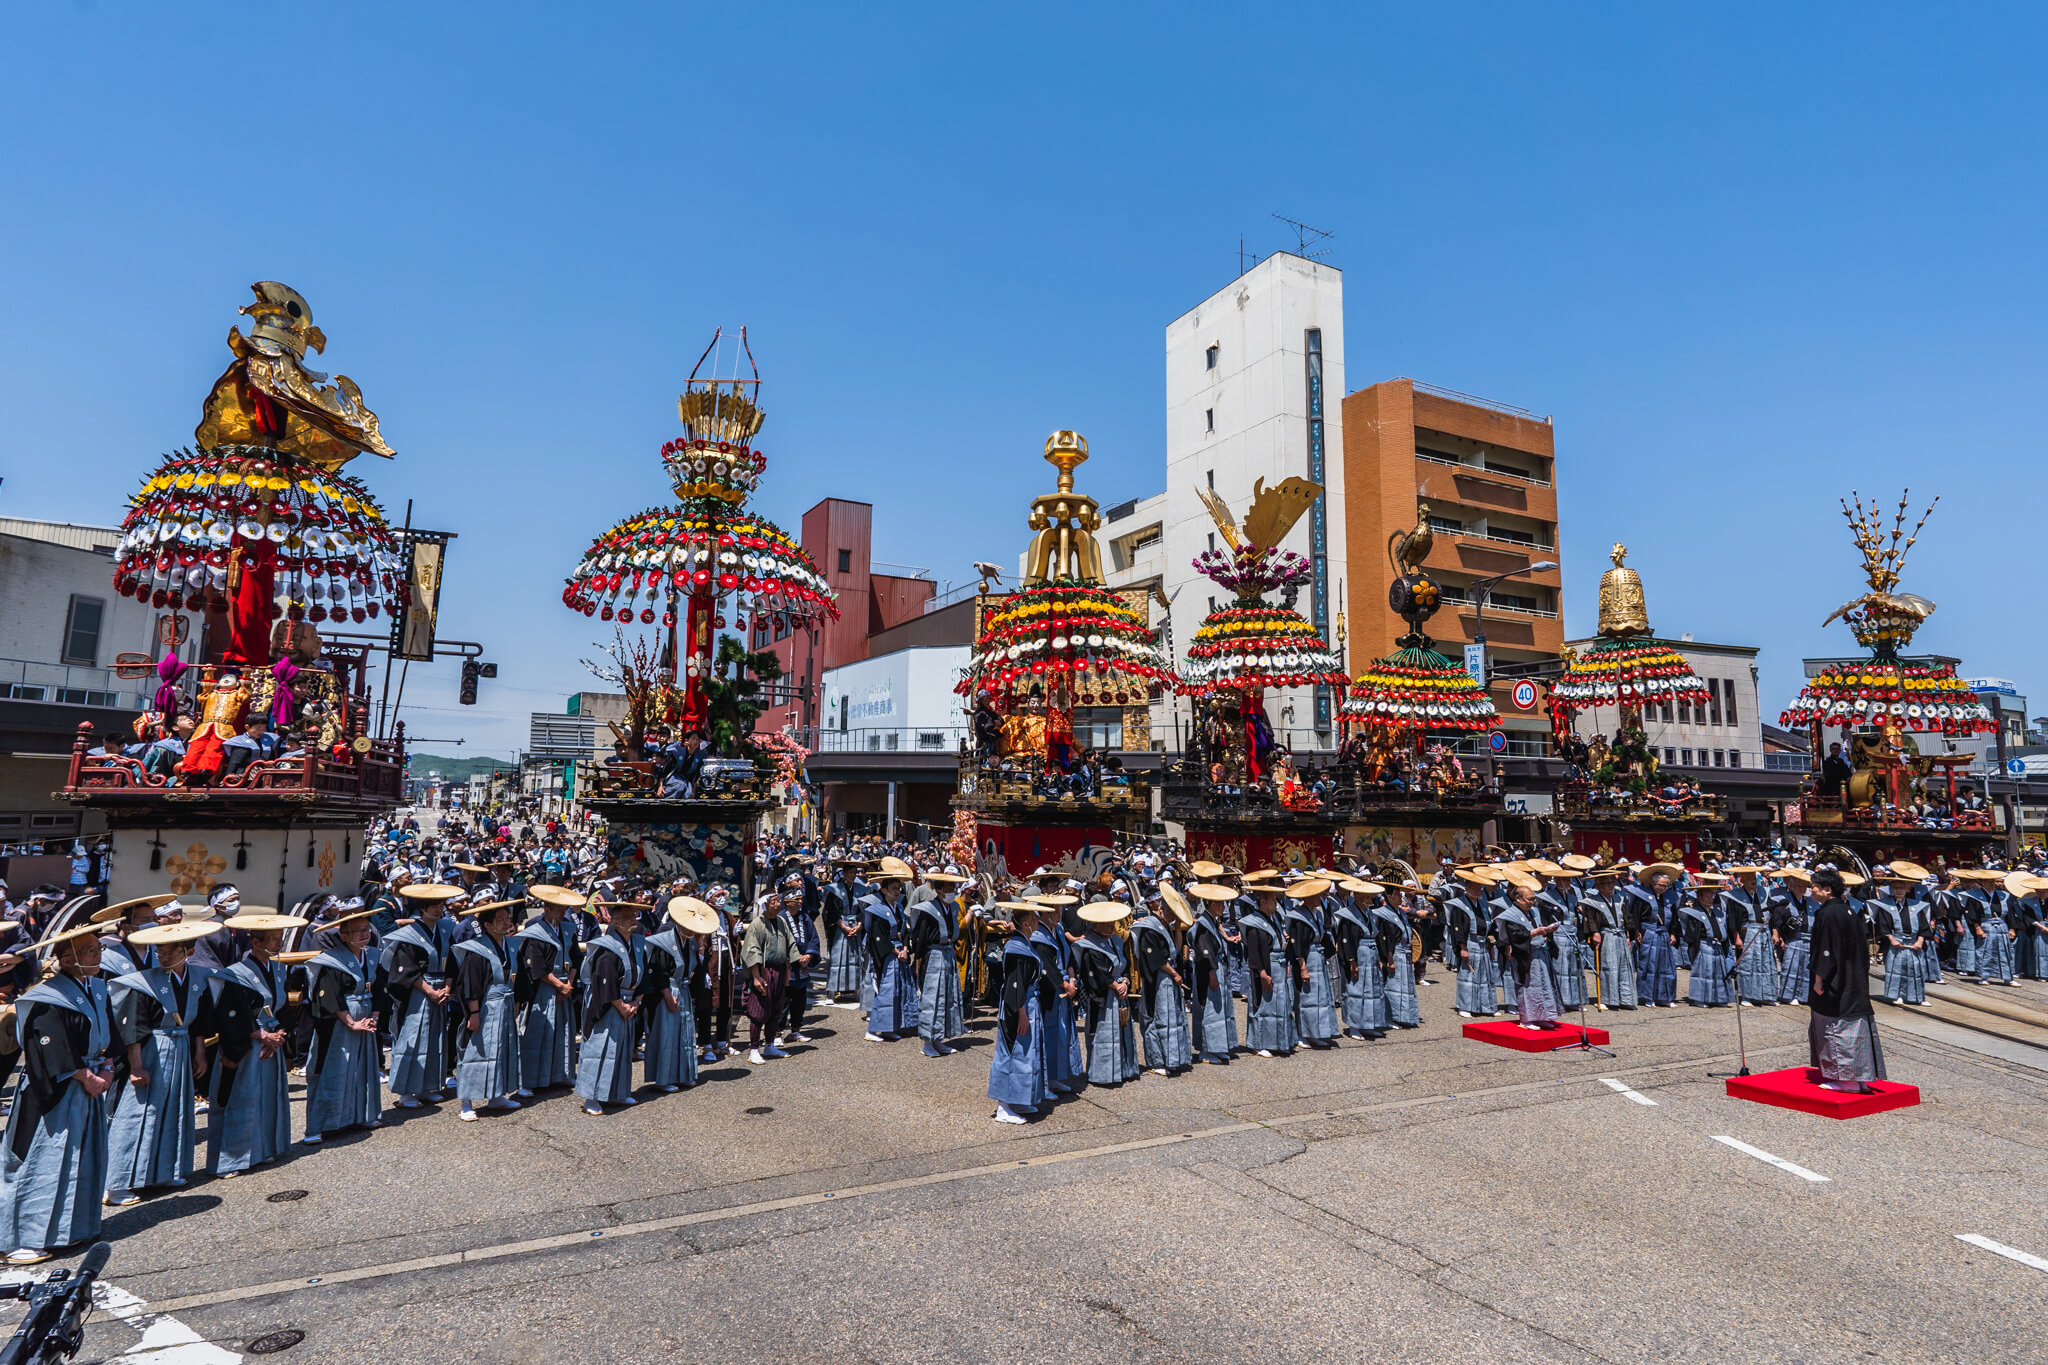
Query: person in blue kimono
pixel 1395 933
pixel 1995 935
pixel 1896 925
pixel 151 1141
pixel 1703 925
pixel 2030 918
pixel 1747 907
pixel 846 957
pixel 1364 998
pixel 1214 1011
pixel 1063 1070
pixel 669 1048
pixel 1468 934
pixel 1611 931
pixel 124 920
pixel 885 932
pixel 249 1114
pixel 53 1166
pixel 1794 923
pixel 544 987
pixel 1309 951
pixel 487 1068
pixel 1655 891
pixel 1516 929
pixel 933 929
pixel 1016 1070
pixel 613 964
pixel 1102 970
pixel 342 1090
pixel 416 972
pixel 1162 1008
pixel 1557 906
pixel 1269 1022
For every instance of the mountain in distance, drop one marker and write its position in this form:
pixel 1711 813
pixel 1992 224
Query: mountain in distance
pixel 453 769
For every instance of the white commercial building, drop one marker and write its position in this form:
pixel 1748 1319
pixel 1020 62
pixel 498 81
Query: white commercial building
pixel 900 701
pixel 1254 378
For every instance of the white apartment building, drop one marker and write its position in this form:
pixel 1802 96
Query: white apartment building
pixel 1254 380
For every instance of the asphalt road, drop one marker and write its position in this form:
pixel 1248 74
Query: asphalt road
pixel 1420 1198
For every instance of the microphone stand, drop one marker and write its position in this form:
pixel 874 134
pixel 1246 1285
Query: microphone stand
pixel 1585 1043
pixel 1741 1046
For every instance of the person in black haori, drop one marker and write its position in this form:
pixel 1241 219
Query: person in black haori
pixel 1842 1032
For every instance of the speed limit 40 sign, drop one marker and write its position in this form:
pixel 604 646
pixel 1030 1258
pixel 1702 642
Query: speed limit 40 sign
pixel 1524 695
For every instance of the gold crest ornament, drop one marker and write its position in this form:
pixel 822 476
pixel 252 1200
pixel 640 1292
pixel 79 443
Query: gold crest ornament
pixel 267 397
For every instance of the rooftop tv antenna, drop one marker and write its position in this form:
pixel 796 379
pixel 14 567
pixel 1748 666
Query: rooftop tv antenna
pixel 1305 237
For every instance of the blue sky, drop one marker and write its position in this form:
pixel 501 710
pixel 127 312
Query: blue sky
pixel 1748 256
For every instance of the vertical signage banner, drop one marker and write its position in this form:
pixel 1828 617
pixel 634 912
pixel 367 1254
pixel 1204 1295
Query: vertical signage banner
pixel 412 634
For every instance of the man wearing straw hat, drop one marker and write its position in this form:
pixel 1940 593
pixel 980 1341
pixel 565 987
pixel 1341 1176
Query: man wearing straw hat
pixel 934 929
pixel 1611 928
pixel 487 1069
pixel 250 1118
pixel 1016 1072
pixel 1522 936
pixel 1169 1049
pixel 416 980
pixel 1214 1009
pixel 546 989
pixel 614 964
pixel 1102 972
pixel 1896 922
pixel 846 957
pixel 1467 927
pixel 342 1090
pixel 53 1165
pixel 669 1041
pixel 1269 1021
pixel 127 919
pixel 151 1140
pixel 895 1008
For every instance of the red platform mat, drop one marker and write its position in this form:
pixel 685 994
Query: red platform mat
pixel 1798 1088
pixel 1508 1033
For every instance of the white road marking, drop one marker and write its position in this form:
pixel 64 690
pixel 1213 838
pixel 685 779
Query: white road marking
pixel 2011 1253
pixel 1618 1088
pixel 1761 1155
pixel 165 1340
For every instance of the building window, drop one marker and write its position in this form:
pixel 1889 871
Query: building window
pixel 1212 542
pixel 1666 707
pixel 842 714
pixel 1735 758
pixel 1447 525
pixel 24 692
pixel 1670 757
pixel 846 561
pixel 1209 415
pixel 1099 727
pixel 1212 480
pixel 1714 700
pixel 1718 756
pixel 1728 704
pixel 1211 360
pixel 1685 758
pixel 82 630
pixel 81 696
pixel 931 739
pixel 892 737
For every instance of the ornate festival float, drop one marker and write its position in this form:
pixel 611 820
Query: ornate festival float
pixel 1399 782
pixel 1050 661
pixel 1236 791
pixel 1893 800
pixel 1614 802
pixel 255 758
pixel 679 584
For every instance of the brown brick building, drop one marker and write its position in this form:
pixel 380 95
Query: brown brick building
pixel 1488 474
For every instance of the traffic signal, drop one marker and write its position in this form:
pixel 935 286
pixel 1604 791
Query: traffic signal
pixel 470 672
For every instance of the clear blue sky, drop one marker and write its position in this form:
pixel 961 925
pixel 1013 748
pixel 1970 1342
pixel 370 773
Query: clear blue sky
pixel 1749 256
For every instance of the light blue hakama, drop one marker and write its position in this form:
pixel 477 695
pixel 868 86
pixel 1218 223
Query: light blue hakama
pixel 249 1118
pixel 1271 1026
pixel 940 1014
pixel 1708 983
pixel 1756 968
pixel 1403 1009
pixel 668 1047
pixel 1016 1069
pixel 489 1064
pixel 547 1042
pixel 1364 1000
pixel 1112 1043
pixel 342 1090
pixel 1478 976
pixel 419 1037
pixel 50 1195
pixel 1995 956
pixel 153 1132
pixel 1316 1004
pixel 893 1009
pixel 1215 1012
pixel 604 1070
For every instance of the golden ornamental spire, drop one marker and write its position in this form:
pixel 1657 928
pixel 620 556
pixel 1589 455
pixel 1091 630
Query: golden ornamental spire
pixel 1064 550
pixel 1623 612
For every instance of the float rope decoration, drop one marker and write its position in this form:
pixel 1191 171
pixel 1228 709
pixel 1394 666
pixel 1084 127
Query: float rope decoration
pixel 1251 644
pixel 1063 632
pixel 690 562
pixel 258 522
pixel 1884 689
pixel 1626 667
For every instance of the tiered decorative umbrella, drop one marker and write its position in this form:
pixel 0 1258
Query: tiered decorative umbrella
pixel 1884 689
pixel 1418 689
pixel 704 561
pixel 258 522
pixel 1064 638
pixel 1253 644
pixel 1626 667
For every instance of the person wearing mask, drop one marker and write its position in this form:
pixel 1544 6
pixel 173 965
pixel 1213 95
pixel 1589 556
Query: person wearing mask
pixel 765 953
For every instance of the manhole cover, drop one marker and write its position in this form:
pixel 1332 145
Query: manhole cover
pixel 762 1109
pixel 286 1197
pixel 270 1343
